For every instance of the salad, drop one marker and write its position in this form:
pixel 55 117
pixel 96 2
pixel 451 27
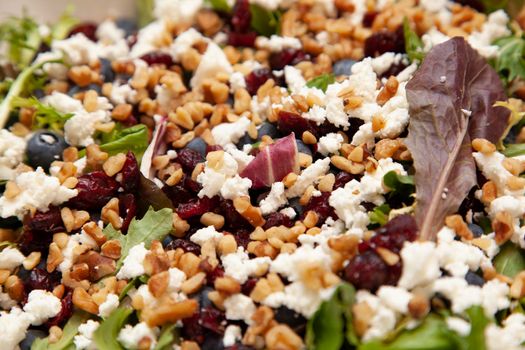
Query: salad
pixel 265 174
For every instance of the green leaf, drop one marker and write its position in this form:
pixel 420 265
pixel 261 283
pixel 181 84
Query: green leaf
pixel 167 337
pixel 131 284
pixel 510 63
pixel 265 22
pixel 514 150
pixel 432 334
pixel 133 139
pixel 219 5
pixel 145 12
pixel 401 186
pixel 68 333
pixel 510 260
pixel 151 196
pixel 155 225
pixel 494 5
pixel 46 117
pixel 321 82
pixel 63 26
pixel 326 328
pixel 23 39
pixel 478 321
pixel 379 215
pixel 105 337
pixel 516 116
pixel 413 43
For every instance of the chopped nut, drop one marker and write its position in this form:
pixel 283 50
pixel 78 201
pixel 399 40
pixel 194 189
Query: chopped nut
pixel 121 112
pixel 55 333
pixel 389 257
pixel 84 301
pixel 489 192
pixel 79 272
pixel 158 283
pixel 32 260
pixel 212 219
pixel 95 232
pixel 282 337
pixel 169 311
pixel 249 212
pixel 503 227
pixel 418 306
pixel 227 245
pixel 175 177
pixel 517 288
pixel 111 249
pixel 114 164
pixel 14 287
pixel 484 146
pixel 180 226
pixel 456 223
pixel 310 219
pixel 227 285
pixel 110 213
pixel 54 258
pixel 189 264
pixel 189 345
pixel 309 138
pixel 11 190
pixel 347 165
pixel 194 283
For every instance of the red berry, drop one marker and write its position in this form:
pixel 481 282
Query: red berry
pixel 257 78
pixel 241 17
pixel 157 57
pixel 94 191
pixel 385 41
pixel 242 39
pixel 89 29
pixel 130 173
pixel 189 159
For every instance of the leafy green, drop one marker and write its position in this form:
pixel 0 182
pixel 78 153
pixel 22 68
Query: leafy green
pixel 512 6
pixel 17 88
pixel 68 333
pixel 478 321
pixel 379 215
pixel 510 63
pixel 413 43
pixel 23 39
pixel 155 225
pixel 321 82
pixel 516 117
pixel 63 26
pixel 105 337
pixel 265 22
pixel 167 336
pixel 133 139
pixel 151 196
pixel 510 260
pixel 131 284
pixel 327 328
pixel 46 116
pixel 145 12
pixel 514 150
pixel 401 186
pixel 220 5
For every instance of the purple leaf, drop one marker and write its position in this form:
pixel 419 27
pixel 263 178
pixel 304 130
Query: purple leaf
pixel 451 100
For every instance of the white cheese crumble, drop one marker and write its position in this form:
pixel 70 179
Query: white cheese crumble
pixel 84 338
pixel 278 43
pixel 232 334
pixel 130 336
pixel 79 129
pixel 420 264
pixel 227 133
pixel 212 62
pixel 224 180
pixel 294 79
pixel 133 263
pixel 239 266
pixel 237 82
pixel 206 234
pixel 509 337
pixel 274 200
pixel 14 325
pixel 10 258
pixel 185 41
pixel 12 151
pixel 75 240
pixel 308 176
pixel 236 187
pixel 239 307
pixel 77 49
pixel 330 144
pixel 458 325
pixel 491 165
pixel 109 305
pixel 177 10
pixel 37 190
pixel 42 305
pixel 494 28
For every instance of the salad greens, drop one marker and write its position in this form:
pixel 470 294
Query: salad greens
pixel 219 5
pixel 510 63
pixel 401 186
pixel 510 260
pixel 413 43
pixel 265 22
pixel 145 12
pixel 379 216
pixel 134 138
pixel 168 336
pixel 321 82
pixel 151 196
pixel 46 117
pixel 68 333
pixel 155 225
pixel 23 39
pixel 105 337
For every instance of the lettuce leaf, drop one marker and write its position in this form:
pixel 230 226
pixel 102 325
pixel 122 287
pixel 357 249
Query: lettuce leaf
pixel 510 260
pixel 510 63
pixel 379 216
pixel 265 22
pixel 105 337
pixel 413 43
pixel 68 333
pixel 23 39
pixel 219 5
pixel 167 337
pixel 321 82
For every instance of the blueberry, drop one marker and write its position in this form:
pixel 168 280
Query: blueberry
pixel 343 67
pixel 202 297
pixel 167 240
pixel 31 336
pixel 198 145
pixel 106 71
pixel 296 321
pixel 44 147
pixel 76 89
pixel 245 140
pixel 267 129
pixel 128 25
pixel 476 230
pixel 301 147
pixel 474 279
pixel 294 203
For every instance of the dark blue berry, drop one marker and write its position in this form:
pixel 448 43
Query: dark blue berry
pixel 476 230
pixel 474 279
pixel 45 147
pixel 106 71
pixel 128 25
pixel 343 67
pixel 31 336
pixel 77 89
pixel 267 129
pixel 302 148
pixel 198 145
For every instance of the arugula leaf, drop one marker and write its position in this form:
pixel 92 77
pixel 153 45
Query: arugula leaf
pixel 105 337
pixel 23 39
pixel 321 82
pixel 510 260
pixel 133 139
pixel 167 336
pixel 219 5
pixel 510 63
pixel 46 117
pixel 326 328
pixel 155 225
pixel 265 22
pixel 379 215
pixel 413 43
pixel 17 88
pixel 478 321
pixel 69 332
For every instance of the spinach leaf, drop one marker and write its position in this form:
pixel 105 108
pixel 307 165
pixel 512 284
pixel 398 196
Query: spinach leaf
pixel 446 114
pixel 105 337
pixel 510 260
pixel 413 43
pixel 379 215
pixel 265 22
pixel 510 63
pixel 326 328
pixel 155 225
pixel 46 117
pixel 68 333
pixel 322 81
pixel 167 336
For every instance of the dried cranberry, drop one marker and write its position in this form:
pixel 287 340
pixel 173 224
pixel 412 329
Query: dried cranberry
pixel 212 319
pixel 192 329
pixel 186 245
pixel 49 222
pixel 233 220
pixel 65 313
pixel 394 69
pixel 94 191
pixel 241 17
pixel 257 78
pixel 293 319
pixel 89 29
pixel 189 159
pixel 367 271
pixel 157 57
pixel 277 219
pixel 287 57
pixel 178 193
pixel 212 273
pixel 213 148
pixel 34 242
pixel 292 122
pixel 342 178
pixel 196 206
pixel 368 18
pixel 321 206
pixel 127 209
pixel 41 279
pixel 401 229
pixel 385 41
pixel 130 173
pixel 248 286
pixel 242 237
pixel 242 39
